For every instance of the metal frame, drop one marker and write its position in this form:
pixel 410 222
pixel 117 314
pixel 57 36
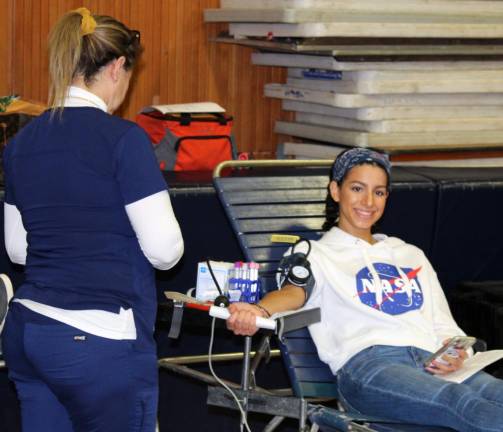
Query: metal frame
pixel 279 404
pixel 265 163
pixel 178 365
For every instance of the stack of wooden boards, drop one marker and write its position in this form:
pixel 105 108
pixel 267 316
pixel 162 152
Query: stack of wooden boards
pixel 354 88
pixel 361 18
pixel 393 105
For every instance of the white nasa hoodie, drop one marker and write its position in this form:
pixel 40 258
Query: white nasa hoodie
pixel 381 294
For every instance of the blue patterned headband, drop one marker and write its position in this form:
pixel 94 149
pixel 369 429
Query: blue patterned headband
pixel 357 156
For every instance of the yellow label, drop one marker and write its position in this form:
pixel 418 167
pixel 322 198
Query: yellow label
pixel 284 238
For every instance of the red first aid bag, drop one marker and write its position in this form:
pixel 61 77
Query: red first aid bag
pixel 189 142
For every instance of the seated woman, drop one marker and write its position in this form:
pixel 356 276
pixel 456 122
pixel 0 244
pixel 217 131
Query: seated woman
pixel 383 313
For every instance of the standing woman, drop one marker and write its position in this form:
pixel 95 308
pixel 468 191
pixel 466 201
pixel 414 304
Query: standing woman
pixel 383 312
pixel 88 213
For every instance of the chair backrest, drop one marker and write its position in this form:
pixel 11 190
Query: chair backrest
pixel 259 206
pixel 294 203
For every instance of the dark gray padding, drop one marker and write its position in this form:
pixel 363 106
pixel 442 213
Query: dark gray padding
pixel 468 232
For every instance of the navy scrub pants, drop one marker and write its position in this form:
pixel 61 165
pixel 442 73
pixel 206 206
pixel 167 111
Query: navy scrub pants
pixel 71 381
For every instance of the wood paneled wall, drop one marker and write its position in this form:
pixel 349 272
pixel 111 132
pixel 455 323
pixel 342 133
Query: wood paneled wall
pixel 179 63
pixel 5 47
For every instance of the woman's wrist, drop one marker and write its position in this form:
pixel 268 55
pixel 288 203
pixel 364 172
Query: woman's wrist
pixel 263 311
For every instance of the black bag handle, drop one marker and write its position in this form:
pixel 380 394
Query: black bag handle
pixel 186 118
pixel 222 120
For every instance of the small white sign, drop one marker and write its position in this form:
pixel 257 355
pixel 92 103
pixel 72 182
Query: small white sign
pixel 206 290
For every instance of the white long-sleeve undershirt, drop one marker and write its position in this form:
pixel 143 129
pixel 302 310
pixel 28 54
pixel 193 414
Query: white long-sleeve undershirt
pixel 14 234
pixel 157 230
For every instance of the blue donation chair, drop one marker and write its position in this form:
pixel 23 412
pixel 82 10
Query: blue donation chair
pixel 291 200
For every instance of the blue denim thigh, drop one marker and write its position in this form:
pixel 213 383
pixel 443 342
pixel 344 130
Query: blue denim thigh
pixel 104 384
pixel 488 387
pixel 390 382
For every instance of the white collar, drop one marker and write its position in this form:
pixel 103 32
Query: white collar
pixel 335 234
pixel 78 97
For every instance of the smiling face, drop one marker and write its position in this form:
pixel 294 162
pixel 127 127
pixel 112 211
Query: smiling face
pixel 362 199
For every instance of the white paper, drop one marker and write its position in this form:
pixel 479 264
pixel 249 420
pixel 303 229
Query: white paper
pixel 196 107
pixel 472 365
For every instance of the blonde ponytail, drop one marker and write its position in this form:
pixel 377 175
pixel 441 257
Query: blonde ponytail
pixel 80 44
pixel 65 46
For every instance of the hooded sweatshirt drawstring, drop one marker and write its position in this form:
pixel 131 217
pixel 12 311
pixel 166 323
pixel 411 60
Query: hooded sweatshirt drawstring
pixel 403 275
pixel 375 277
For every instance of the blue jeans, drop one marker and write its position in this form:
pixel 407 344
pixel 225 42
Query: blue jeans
pixel 390 382
pixel 71 381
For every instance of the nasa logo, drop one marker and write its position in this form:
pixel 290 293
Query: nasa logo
pixel 390 294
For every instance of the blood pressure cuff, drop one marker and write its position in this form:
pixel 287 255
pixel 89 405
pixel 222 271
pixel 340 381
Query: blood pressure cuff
pixel 295 269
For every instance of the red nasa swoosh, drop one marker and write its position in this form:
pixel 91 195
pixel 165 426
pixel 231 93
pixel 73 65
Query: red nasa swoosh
pixel 411 275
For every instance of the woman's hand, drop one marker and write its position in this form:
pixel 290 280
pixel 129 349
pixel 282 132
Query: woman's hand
pixel 453 363
pixel 243 315
pixel 242 319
